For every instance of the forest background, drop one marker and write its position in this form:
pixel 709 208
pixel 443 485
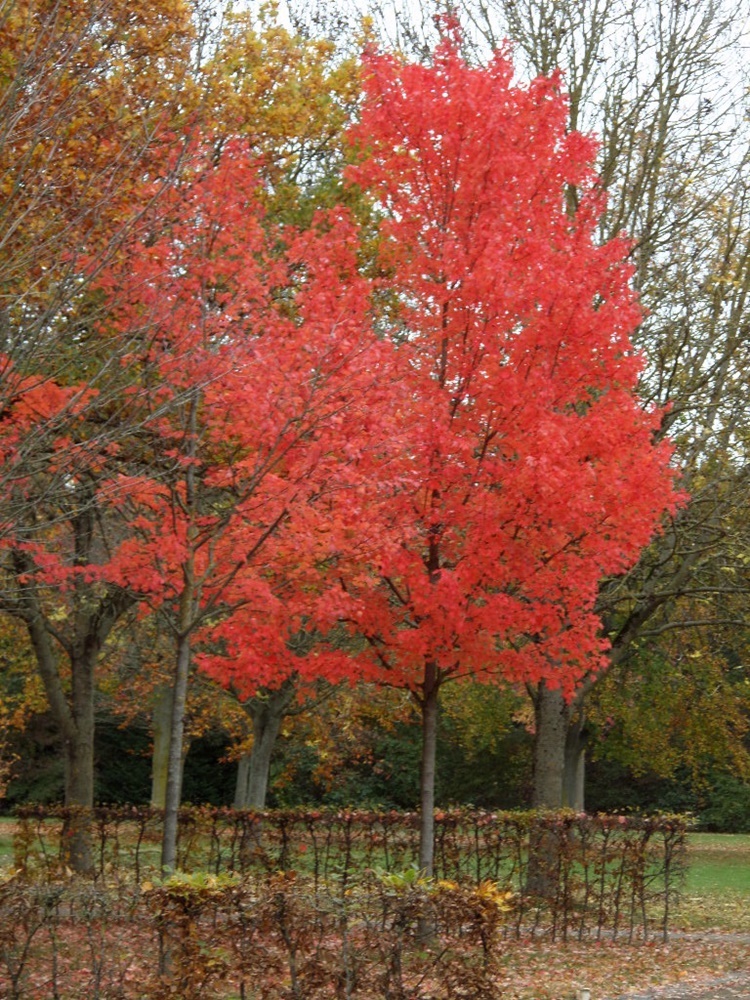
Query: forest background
pixel 111 195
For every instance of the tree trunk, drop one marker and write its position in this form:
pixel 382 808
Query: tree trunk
pixel 551 718
pixel 187 618
pixel 574 772
pixel 161 724
pixel 559 751
pixel 79 768
pixel 73 711
pixel 557 781
pixel 174 767
pixel 74 719
pixel 243 775
pixel 265 732
pixel 267 711
pixel 429 705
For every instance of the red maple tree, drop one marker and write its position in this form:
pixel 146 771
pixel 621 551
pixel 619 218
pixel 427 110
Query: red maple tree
pixel 528 466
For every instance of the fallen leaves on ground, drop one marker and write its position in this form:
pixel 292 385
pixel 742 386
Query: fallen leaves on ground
pixel 536 970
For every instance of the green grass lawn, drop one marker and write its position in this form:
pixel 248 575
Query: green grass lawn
pixel 6 840
pixel 717 890
pixel 719 862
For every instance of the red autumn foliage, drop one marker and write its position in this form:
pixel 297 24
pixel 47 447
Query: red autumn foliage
pixel 266 334
pixel 528 469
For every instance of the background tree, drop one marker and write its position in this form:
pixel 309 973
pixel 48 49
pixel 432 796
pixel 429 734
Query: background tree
pixel 52 579
pixel 95 100
pixel 290 95
pixel 268 709
pixel 678 706
pixel 93 97
pixel 659 84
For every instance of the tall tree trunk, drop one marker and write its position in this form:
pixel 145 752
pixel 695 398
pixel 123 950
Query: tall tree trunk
pixel 174 767
pixel 559 750
pixel 267 711
pixel 429 706
pixel 551 718
pixel 574 774
pixel 161 725
pixel 73 711
pixel 558 778
pixel 187 618
pixel 240 787
pixel 551 727
pixel 79 768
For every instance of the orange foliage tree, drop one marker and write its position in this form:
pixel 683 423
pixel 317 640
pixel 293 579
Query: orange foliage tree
pixel 97 101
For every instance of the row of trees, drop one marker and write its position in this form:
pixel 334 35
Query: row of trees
pixel 304 424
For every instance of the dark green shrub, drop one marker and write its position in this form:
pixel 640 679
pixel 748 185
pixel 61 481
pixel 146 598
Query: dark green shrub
pixel 122 762
pixel 728 809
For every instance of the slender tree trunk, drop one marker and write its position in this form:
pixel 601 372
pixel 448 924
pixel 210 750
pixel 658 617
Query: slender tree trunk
pixel 161 724
pixel 174 768
pixel 429 705
pixel 426 925
pixel 187 617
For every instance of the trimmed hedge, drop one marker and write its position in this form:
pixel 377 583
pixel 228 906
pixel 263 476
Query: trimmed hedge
pixel 313 903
